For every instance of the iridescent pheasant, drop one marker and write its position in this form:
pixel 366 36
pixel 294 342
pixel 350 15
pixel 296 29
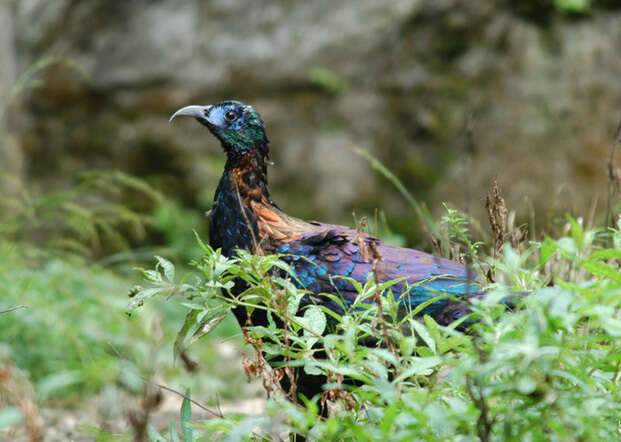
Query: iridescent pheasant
pixel 244 217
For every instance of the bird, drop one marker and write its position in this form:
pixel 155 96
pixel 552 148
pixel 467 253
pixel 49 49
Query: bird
pixel 325 258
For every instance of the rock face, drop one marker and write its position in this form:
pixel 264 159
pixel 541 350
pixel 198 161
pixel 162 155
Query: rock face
pixel 399 78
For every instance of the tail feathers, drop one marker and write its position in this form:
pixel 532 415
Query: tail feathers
pixel 456 309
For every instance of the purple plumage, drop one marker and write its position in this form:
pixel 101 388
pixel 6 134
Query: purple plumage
pixel 327 257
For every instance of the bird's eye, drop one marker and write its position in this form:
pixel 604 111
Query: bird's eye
pixel 230 115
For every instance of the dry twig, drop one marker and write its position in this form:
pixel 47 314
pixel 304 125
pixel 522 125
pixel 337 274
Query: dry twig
pixel 18 391
pixel 17 307
pixel 497 213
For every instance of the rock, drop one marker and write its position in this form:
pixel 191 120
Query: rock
pixel 397 77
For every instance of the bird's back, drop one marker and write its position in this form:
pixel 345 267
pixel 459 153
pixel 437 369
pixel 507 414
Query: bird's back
pixel 328 257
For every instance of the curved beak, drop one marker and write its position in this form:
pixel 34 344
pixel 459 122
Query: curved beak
pixel 198 112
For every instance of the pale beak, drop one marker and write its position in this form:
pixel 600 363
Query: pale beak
pixel 198 112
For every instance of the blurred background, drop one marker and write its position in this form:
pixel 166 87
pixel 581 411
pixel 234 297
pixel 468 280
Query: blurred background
pixel 449 95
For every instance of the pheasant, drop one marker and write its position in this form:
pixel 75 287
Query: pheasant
pixel 244 217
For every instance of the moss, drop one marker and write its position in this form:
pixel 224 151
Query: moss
pixel 326 80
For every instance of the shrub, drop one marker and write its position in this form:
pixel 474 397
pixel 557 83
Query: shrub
pixel 550 370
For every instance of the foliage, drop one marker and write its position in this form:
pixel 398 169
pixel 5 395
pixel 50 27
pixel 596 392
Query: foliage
pixel 541 11
pixel 326 80
pixel 175 224
pixel 575 6
pixel 62 356
pixel 64 332
pixel 103 214
pixel 90 218
pixel 72 341
pixel 72 336
pixel 550 370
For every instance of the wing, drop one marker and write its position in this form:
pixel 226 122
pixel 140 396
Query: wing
pixel 321 256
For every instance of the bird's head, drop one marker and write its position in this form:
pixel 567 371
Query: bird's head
pixel 238 126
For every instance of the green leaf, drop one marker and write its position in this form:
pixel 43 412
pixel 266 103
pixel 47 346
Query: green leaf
pixel 575 6
pixel 326 79
pixel 357 286
pixel 432 326
pixel 188 323
pixel 314 320
pixel 407 345
pixel 208 323
pixel 293 303
pixel 57 382
pixel 167 267
pixel 424 334
pixel 548 247
pixel 602 270
pixel 172 432
pixel 199 323
pixel 612 326
pixel 423 305
pixel 419 366
pixel 385 285
pixel 577 232
pixel 606 254
pixel 390 413
pixel 152 275
pixel 9 416
pixel 511 259
pixel 137 300
pixel 154 435
pixel 385 355
pixel 186 418
pixel 312 369
pixel 526 385
pixel 568 246
pixel 206 248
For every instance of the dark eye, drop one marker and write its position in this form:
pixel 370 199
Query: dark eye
pixel 230 115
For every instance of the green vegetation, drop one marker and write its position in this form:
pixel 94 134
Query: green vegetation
pixel 65 336
pixel 551 370
pixel 326 80
pixel 71 240
pixel 576 6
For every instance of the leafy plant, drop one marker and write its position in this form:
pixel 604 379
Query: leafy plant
pixel 89 218
pixel 575 6
pixel 550 370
